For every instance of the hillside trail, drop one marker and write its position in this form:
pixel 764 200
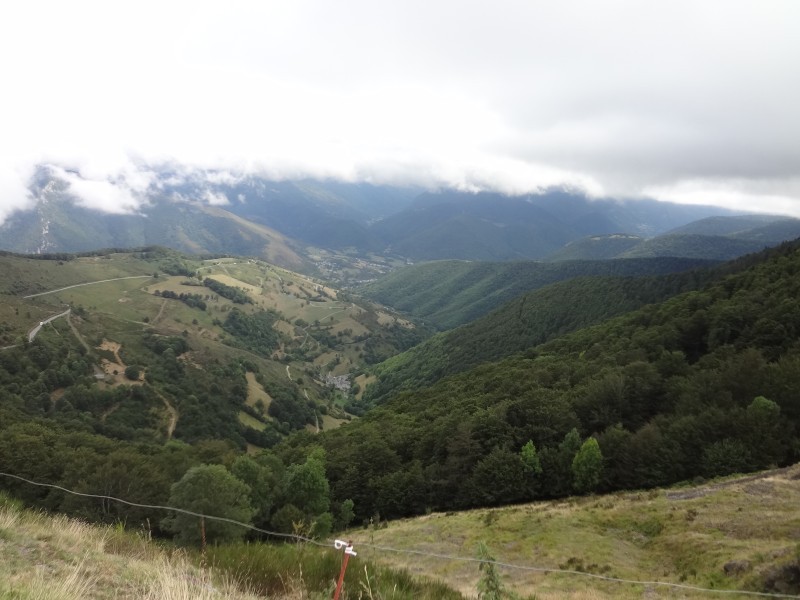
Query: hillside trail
pixel 77 334
pixel 173 414
pixel 160 312
pixel 109 411
pixel 69 287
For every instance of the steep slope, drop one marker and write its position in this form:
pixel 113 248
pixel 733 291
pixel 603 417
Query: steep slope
pixel 207 212
pixel 472 227
pixel 122 371
pixel 523 323
pixel 450 293
pixel 210 335
pixel 60 224
pixel 491 226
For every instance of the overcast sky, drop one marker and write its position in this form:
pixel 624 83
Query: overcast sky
pixel 693 101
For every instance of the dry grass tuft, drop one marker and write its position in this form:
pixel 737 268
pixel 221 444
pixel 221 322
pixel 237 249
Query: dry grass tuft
pixel 56 558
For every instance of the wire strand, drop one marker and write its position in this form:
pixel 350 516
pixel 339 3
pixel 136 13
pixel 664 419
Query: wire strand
pixel 412 552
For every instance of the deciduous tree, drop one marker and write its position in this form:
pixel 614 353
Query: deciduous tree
pixel 209 490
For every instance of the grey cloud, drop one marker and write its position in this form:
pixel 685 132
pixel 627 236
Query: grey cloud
pixel 613 96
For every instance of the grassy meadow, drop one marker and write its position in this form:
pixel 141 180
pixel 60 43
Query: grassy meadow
pixel 44 557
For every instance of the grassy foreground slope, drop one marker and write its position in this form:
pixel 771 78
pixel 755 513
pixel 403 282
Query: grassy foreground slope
pixel 45 557
pixel 733 534
pixel 55 558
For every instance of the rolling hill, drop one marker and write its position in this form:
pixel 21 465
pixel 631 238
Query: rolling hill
pixel 729 225
pixel 597 247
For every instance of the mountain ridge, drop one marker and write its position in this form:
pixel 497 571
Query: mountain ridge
pixel 183 210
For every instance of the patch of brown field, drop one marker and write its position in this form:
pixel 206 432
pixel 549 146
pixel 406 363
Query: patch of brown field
pixel 363 381
pixel 256 392
pixel 112 347
pixel 284 328
pixel 387 319
pixel 328 422
pixel 233 282
pixel 56 395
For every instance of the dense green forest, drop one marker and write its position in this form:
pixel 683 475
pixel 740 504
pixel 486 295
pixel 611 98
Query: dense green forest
pixel 526 321
pixel 446 294
pixel 704 384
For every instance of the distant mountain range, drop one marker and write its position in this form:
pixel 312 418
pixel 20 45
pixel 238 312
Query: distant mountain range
pixel 281 221
pixel 712 238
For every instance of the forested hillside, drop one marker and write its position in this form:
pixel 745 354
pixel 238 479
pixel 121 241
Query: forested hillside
pixel 450 293
pixel 701 385
pixel 523 323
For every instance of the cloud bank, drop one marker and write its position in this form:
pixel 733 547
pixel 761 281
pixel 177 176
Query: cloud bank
pixel 683 101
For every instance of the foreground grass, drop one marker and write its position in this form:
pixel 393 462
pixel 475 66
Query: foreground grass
pixel 735 534
pixel 684 536
pixel 44 557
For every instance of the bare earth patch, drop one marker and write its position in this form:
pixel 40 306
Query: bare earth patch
pixel 115 370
